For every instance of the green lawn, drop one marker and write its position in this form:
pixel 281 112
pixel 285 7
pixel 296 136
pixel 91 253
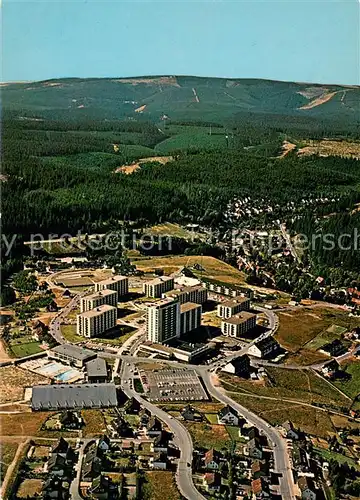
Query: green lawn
pixel 351 387
pixel 116 338
pixel 69 332
pixel 212 418
pixel 342 459
pixel 26 349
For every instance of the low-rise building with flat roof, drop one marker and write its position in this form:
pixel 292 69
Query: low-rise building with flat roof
pixel 72 354
pixel 238 325
pixel 155 288
pixel 233 306
pixel 97 371
pixel 96 321
pixel 118 283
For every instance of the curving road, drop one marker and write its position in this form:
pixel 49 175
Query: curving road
pixel 182 438
pixel 276 441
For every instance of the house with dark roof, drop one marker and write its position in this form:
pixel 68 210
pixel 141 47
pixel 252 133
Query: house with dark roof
pixel 212 459
pixel 159 461
pixel 307 488
pixel 101 487
pixel 153 427
pixel 161 443
pixel 92 463
pixel 145 416
pixel 330 368
pixel 334 348
pixel 132 406
pixel 239 366
pixel 254 448
pixel 212 482
pixel 290 431
pixel 228 416
pixel 71 420
pixel 104 443
pixel 54 488
pixel 265 348
pixel 191 415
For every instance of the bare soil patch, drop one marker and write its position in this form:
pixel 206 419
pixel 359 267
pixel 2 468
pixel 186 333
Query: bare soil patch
pixel 13 381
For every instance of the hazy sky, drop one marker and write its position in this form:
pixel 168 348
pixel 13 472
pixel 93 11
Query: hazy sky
pixel 313 41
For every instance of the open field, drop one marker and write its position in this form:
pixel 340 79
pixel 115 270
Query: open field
pixel 27 424
pixel 308 419
pixel 94 423
pixel 29 488
pixel 332 455
pixel 345 149
pixel 350 387
pixel 174 230
pixel 116 337
pixel 300 385
pixel 303 331
pixel 205 435
pixel 13 381
pixel 213 268
pixel 160 486
pixel 69 333
pixel 8 451
pixel 22 349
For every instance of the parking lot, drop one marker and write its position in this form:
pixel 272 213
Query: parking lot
pixel 174 385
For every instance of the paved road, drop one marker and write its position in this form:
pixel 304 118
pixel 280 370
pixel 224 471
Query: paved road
pixel 181 438
pixel 276 441
pixel 54 327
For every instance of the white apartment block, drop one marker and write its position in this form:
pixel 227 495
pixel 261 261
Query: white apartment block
pixel 96 321
pixel 196 294
pixel 96 299
pixel 157 287
pixel 190 317
pixel 238 325
pixel 233 306
pixel 118 283
pixel 163 320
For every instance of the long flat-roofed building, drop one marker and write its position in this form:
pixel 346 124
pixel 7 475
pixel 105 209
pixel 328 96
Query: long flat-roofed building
pixel 195 294
pixel 68 353
pixel 233 306
pixel 118 283
pixel 61 397
pixel 96 321
pixel 238 324
pixel 190 317
pixel 96 299
pixel 155 288
pixel 163 320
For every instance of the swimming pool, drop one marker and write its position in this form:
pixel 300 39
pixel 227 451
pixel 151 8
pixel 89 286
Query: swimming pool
pixel 50 368
pixel 68 375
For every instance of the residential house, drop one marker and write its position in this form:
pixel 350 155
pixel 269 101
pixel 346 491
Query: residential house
pixel 54 488
pixel 132 406
pixel 290 431
pixel 334 348
pixel 228 416
pixel 71 420
pixel 104 443
pixel 260 488
pixel 101 487
pixel 153 427
pixel 239 366
pixel 190 414
pixel 212 482
pixel 145 416
pixel 259 469
pixel 161 443
pixel 307 488
pixel 56 465
pixel 212 459
pixel 265 348
pixel 254 448
pixel 159 461
pixel 92 464
pixel 249 432
pixel 330 368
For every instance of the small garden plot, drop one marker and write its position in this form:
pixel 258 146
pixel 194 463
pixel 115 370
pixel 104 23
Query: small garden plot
pixel 160 485
pixel 30 488
pixel 351 387
pixel 208 436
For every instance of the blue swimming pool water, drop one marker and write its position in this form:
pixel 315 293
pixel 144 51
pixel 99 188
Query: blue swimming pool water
pixel 65 376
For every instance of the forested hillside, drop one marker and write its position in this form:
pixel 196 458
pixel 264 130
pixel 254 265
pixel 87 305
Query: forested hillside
pixel 178 98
